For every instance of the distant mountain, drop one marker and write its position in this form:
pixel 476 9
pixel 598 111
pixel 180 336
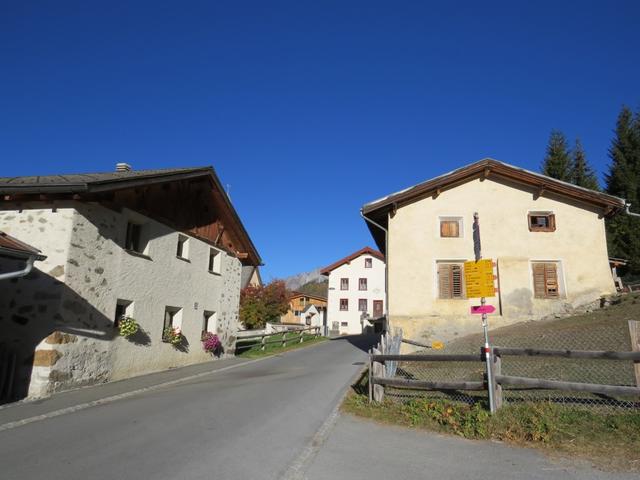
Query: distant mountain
pixel 320 289
pixel 294 282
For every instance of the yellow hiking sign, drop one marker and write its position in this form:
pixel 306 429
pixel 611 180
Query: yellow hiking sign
pixel 478 279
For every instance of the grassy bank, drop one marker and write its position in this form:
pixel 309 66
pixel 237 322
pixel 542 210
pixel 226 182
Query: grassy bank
pixel 610 441
pixel 252 349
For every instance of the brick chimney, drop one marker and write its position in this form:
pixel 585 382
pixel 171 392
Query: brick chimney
pixel 123 167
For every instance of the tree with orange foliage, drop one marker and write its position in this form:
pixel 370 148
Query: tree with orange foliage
pixel 262 304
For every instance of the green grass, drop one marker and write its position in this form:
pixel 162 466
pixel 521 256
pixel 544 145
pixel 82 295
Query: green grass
pixel 610 441
pixel 251 349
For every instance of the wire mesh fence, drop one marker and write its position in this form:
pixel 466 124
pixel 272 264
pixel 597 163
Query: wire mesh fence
pixel 566 334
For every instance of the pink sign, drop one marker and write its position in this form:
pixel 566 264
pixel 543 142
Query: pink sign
pixel 480 309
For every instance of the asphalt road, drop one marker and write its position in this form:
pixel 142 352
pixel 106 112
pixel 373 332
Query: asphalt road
pixel 271 419
pixel 254 421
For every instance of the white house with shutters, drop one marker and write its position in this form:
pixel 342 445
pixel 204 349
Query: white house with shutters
pixel 357 294
pixel 546 237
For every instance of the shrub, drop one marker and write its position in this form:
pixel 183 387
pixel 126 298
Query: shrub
pixel 128 326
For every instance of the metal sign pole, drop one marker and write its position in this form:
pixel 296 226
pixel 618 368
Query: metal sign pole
pixel 485 324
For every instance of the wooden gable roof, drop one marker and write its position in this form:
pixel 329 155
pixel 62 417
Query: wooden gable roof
pixel 191 200
pixel 379 210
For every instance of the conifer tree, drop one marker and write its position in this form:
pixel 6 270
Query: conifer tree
pixel 623 231
pixel 557 162
pixel 581 172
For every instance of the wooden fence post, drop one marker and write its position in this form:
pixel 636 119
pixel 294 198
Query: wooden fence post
pixel 634 333
pixel 284 339
pixel 301 335
pixel 263 345
pixel 497 388
pixel 378 371
pixel 370 375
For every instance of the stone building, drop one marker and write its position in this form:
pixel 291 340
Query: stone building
pixel 164 247
pixel 546 238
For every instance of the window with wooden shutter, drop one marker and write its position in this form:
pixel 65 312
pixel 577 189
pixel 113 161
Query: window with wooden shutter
pixel 545 280
pixel 450 283
pixel 450 227
pixel 542 222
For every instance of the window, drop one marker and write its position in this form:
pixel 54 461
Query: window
pixel 208 322
pixel 215 260
pixel 362 284
pixel 183 247
pixel 296 313
pixel 172 318
pixel 344 284
pixel 368 262
pixel 124 308
pixel 545 280
pixel 450 227
pixel 344 304
pixel 344 324
pixel 450 280
pixel 542 222
pixel 134 240
pixel 362 305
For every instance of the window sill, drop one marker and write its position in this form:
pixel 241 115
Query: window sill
pixel 138 254
pixel 183 259
pixel 214 273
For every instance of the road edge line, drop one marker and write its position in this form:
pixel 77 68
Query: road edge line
pixel 120 396
pixel 297 468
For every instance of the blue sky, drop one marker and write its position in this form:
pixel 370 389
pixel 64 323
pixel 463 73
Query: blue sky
pixel 309 109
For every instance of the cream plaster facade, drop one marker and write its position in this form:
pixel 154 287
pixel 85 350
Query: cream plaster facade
pixel 87 271
pixel 578 245
pixel 348 322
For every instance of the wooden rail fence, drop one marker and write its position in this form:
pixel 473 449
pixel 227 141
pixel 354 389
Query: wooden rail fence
pixel 283 340
pixel 378 381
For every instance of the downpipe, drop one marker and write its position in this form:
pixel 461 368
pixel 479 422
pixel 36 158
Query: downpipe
pixel 629 212
pixel 20 273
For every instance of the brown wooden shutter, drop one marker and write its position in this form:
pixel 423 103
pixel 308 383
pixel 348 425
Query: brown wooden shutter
pixel 456 281
pixel 538 280
pixel 551 280
pixel 449 228
pixel 444 280
pixel 545 280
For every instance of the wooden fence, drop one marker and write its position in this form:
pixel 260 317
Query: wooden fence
pixel 377 379
pixel 284 337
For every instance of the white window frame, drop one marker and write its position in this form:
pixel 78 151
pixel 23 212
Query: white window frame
pixel 128 309
pixel 184 240
pixel 217 261
pixel 208 320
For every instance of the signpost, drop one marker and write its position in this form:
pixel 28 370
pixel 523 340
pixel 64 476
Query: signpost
pixel 482 309
pixel 479 283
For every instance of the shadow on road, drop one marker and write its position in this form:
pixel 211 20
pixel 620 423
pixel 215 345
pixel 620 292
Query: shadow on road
pixel 363 342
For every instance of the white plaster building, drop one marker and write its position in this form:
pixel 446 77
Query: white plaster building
pixel 546 237
pixel 164 247
pixel 356 287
